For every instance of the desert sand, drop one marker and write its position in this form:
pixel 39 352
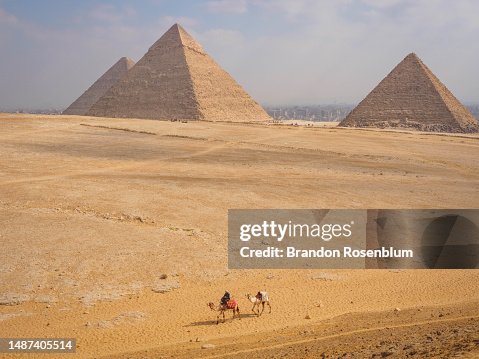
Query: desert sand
pixel 114 232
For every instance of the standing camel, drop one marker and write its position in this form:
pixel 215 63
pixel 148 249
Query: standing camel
pixel 261 298
pixel 232 304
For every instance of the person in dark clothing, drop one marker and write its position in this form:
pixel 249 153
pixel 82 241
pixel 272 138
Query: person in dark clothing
pixel 226 297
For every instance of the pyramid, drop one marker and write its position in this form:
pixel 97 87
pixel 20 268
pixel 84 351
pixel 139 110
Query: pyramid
pixel 83 104
pixel 411 96
pixel 177 79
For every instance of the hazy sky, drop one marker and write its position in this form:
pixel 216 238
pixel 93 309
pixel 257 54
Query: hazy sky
pixel 281 51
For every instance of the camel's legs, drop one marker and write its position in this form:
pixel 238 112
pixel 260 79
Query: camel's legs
pixel 262 309
pixel 269 305
pixel 224 320
pixel 218 318
pixel 239 316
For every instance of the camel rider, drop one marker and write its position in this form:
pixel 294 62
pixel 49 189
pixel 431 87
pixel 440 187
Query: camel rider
pixel 259 296
pixel 225 299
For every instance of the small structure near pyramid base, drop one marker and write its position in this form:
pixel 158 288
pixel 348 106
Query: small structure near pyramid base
pixel 115 73
pixel 412 97
pixel 177 79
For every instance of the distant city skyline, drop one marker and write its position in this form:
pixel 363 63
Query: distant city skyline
pixel 283 52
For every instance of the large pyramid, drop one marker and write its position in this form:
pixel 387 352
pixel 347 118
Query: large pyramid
pixel 411 96
pixel 83 104
pixel 177 79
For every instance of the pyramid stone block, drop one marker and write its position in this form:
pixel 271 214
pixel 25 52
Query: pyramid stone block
pixel 115 73
pixel 412 97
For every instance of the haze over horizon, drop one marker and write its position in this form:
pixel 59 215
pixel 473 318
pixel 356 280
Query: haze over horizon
pixel 283 52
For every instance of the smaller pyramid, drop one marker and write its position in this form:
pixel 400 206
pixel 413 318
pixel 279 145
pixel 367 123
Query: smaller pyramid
pixel 412 97
pixel 115 73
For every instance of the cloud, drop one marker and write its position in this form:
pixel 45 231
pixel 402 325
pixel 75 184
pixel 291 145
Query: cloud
pixel 383 3
pixel 46 66
pixel 227 6
pixel 319 51
pixel 184 21
pixel 228 46
pixel 110 14
pixel 223 36
pixel 7 18
pixel 302 9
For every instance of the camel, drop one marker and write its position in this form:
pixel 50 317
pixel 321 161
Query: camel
pixel 261 298
pixel 222 308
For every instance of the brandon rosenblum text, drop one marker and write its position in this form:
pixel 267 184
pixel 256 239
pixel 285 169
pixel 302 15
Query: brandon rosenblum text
pixel 346 252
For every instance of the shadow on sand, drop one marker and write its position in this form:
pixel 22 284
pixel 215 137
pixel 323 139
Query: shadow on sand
pixel 213 322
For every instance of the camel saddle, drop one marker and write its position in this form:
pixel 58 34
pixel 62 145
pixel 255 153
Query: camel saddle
pixel 231 304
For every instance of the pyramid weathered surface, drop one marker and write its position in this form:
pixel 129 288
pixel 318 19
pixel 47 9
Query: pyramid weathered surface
pixel 411 96
pixel 115 73
pixel 177 79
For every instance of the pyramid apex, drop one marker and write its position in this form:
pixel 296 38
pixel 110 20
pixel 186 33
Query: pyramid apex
pixel 126 59
pixel 125 62
pixel 177 36
pixel 178 29
pixel 412 56
pixel 175 26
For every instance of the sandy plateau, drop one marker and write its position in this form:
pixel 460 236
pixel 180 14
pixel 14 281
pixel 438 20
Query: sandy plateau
pixel 114 231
